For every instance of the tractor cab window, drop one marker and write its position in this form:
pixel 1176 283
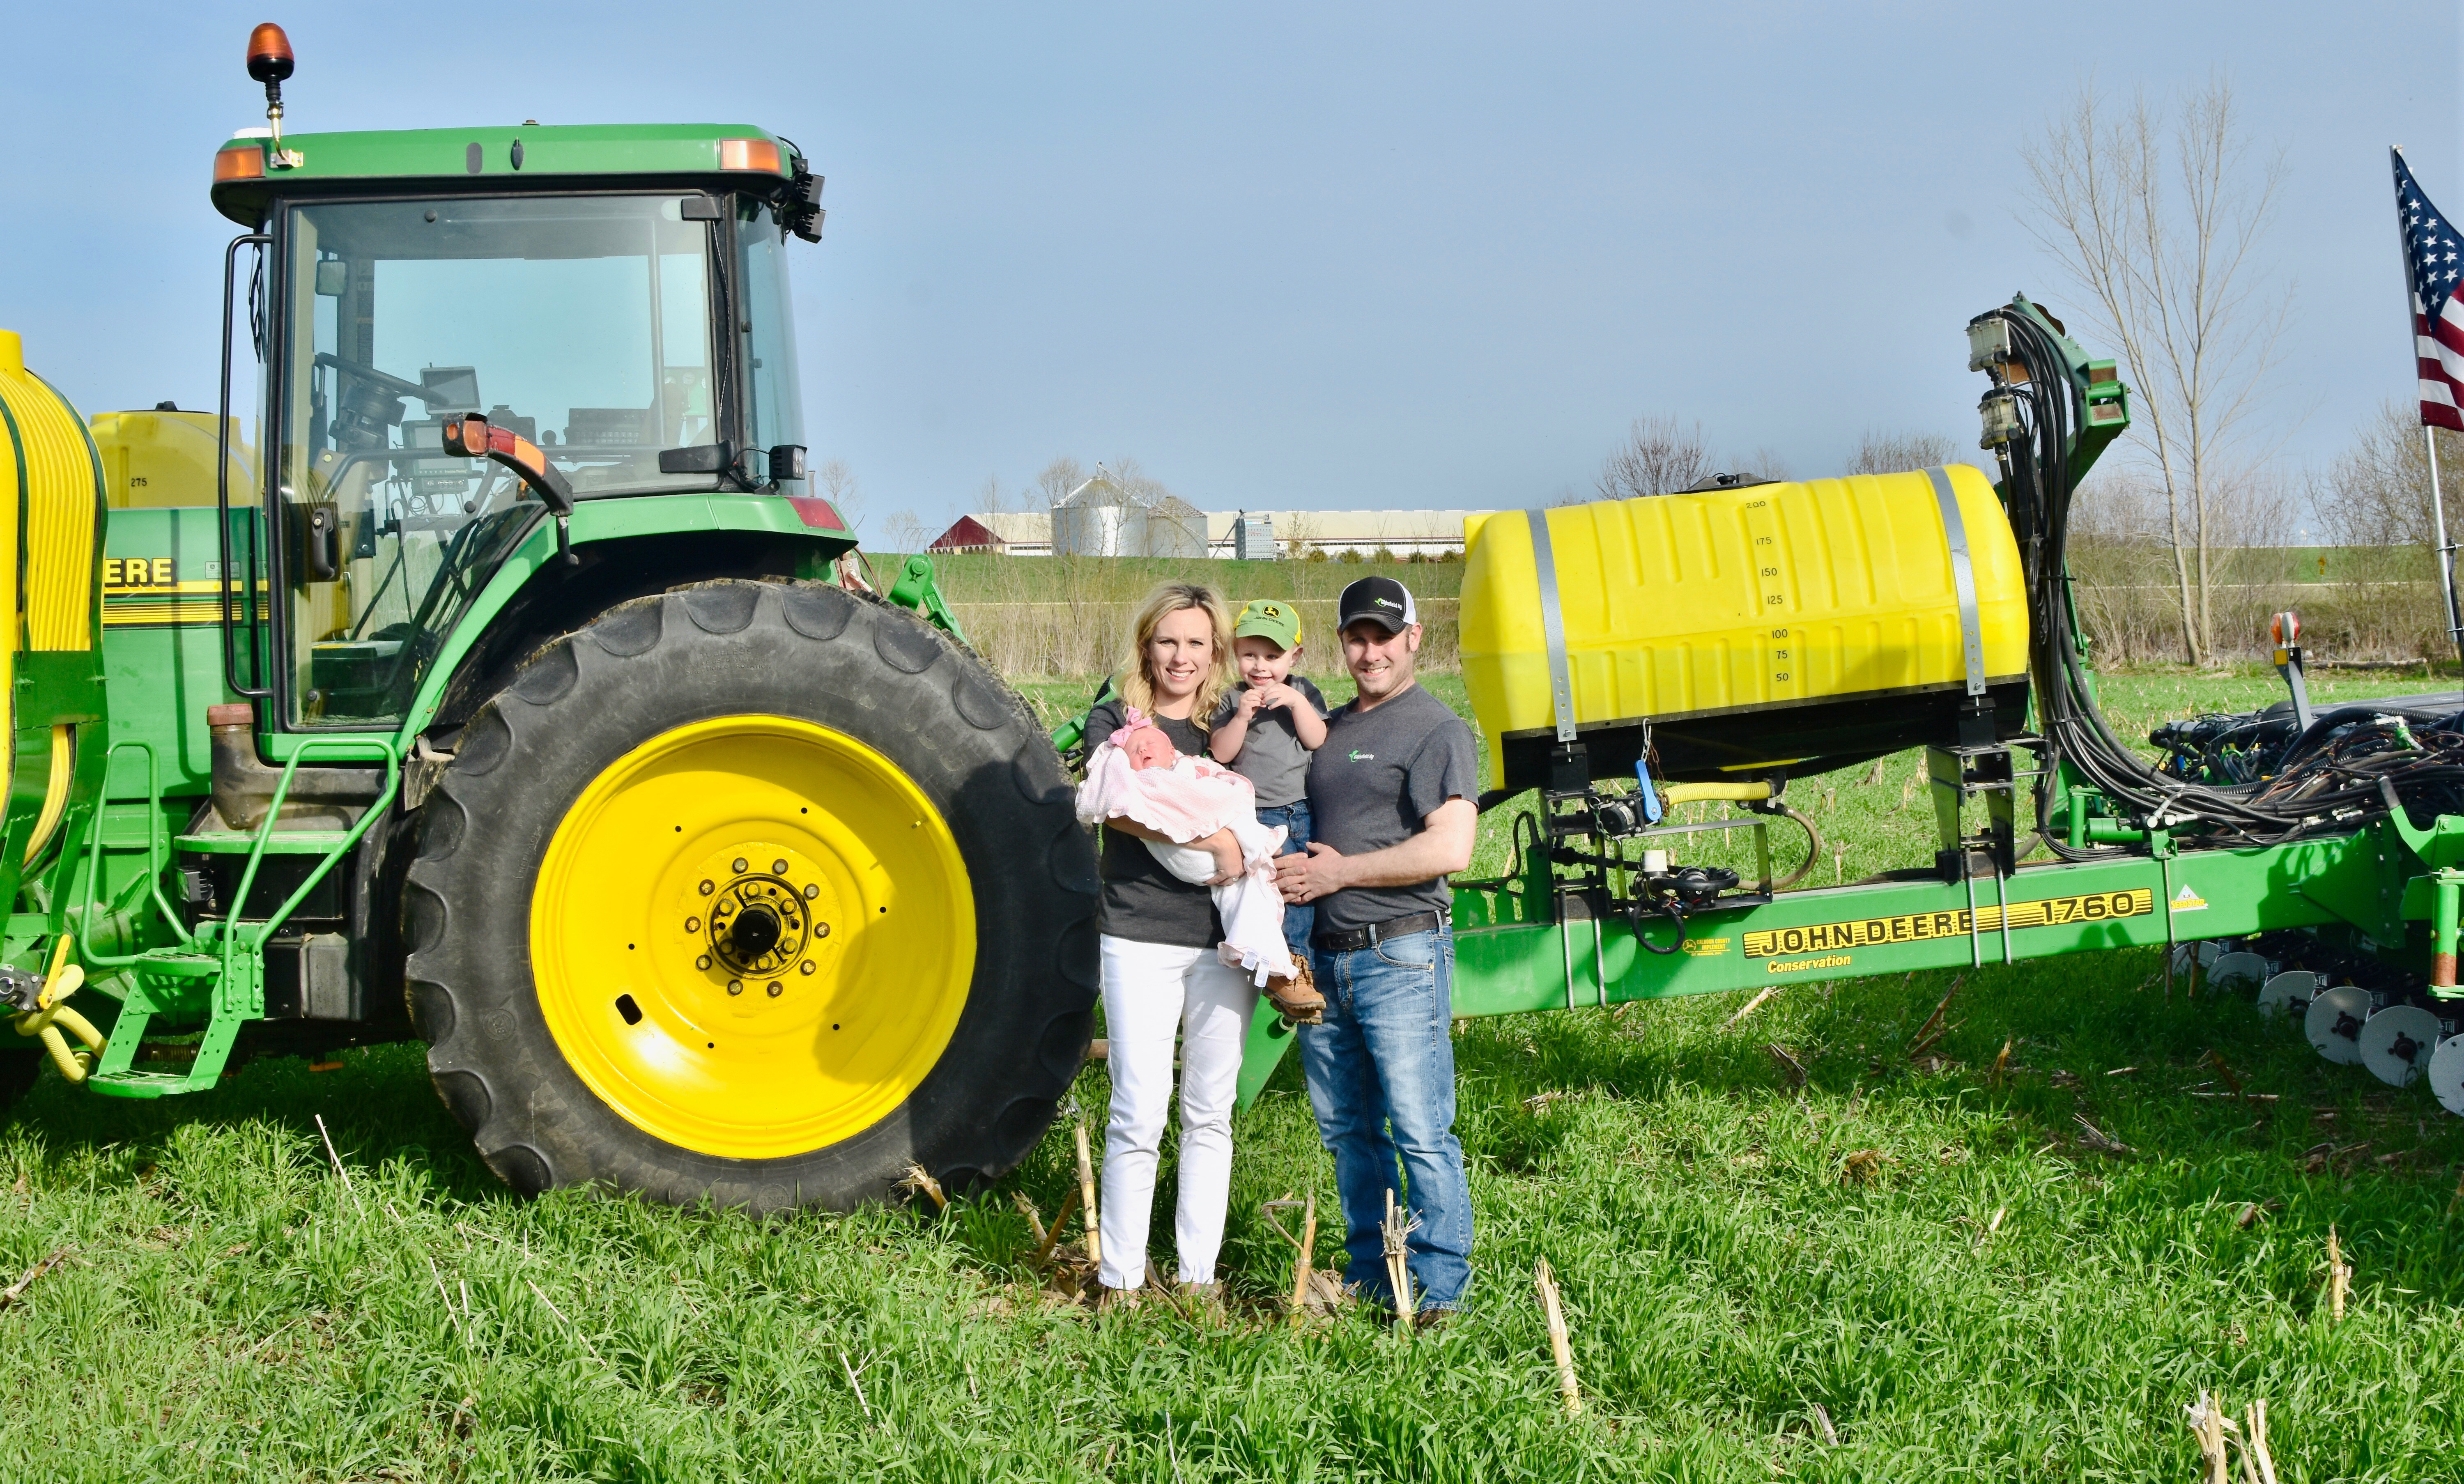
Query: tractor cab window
pixel 774 408
pixel 581 323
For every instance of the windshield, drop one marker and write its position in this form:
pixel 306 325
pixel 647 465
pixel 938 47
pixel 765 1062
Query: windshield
pixel 581 323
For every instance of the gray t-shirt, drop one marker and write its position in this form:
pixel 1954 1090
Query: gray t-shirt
pixel 1143 902
pixel 1380 773
pixel 1271 757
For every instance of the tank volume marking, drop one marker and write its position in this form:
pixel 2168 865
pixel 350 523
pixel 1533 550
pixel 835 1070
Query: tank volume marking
pixel 1770 590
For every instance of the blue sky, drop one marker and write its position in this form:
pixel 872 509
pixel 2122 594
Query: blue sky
pixel 1293 255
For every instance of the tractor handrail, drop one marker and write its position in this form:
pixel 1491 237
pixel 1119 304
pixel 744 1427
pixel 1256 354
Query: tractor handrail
pixel 360 748
pixel 157 857
pixel 222 486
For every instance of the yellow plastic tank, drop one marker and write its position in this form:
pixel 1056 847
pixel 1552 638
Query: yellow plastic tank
pixel 165 457
pixel 1800 625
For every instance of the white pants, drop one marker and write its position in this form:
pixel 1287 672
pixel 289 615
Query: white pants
pixel 1152 990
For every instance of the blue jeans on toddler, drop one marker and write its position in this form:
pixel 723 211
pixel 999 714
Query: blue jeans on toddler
pixel 1298 917
pixel 1381 1080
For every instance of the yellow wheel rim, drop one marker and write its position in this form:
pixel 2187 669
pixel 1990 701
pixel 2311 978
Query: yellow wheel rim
pixel 752 936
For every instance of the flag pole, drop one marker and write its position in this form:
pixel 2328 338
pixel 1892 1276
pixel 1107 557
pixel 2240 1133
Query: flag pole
pixel 2446 543
pixel 2441 542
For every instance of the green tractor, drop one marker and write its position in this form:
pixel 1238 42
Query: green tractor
pixel 512 693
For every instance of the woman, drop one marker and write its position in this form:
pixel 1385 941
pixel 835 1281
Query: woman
pixel 1160 973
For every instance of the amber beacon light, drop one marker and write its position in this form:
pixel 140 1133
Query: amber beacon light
pixel 269 61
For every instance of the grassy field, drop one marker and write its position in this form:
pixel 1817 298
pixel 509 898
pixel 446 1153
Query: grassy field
pixel 1939 1260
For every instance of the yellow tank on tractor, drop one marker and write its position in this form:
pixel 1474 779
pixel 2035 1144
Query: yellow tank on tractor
pixel 487 677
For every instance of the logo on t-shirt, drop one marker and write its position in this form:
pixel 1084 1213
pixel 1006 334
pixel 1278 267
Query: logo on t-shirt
pixel 1358 756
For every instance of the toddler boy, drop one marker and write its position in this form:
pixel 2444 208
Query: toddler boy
pixel 1266 730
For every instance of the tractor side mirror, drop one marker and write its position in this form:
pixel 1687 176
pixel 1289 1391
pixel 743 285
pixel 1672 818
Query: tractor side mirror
pixel 706 458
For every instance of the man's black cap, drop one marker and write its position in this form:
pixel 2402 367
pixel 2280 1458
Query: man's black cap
pixel 1382 598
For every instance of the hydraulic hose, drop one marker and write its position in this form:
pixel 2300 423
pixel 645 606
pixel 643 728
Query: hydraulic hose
pixel 2316 793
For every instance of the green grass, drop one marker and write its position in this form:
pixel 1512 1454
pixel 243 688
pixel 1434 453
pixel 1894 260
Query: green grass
pixel 231 1310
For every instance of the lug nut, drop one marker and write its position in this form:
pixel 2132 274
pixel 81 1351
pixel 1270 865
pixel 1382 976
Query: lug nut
pixel 812 891
pixel 820 929
pixel 692 925
pixel 739 866
pixel 702 962
pixel 778 867
pixel 807 967
pixel 777 989
pixel 734 986
pixel 706 888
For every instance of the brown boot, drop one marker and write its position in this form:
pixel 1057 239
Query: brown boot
pixel 1296 998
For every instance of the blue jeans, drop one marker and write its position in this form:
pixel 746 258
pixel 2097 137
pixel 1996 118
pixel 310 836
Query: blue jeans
pixel 1381 1080
pixel 1299 917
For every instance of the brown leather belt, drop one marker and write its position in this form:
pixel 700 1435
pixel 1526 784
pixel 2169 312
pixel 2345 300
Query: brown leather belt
pixel 1379 932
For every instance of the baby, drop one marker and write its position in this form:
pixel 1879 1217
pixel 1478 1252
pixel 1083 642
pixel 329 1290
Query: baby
pixel 1136 773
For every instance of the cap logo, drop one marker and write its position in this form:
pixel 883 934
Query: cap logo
pixel 1385 602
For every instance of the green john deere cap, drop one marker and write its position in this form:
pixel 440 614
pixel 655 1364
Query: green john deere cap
pixel 1266 619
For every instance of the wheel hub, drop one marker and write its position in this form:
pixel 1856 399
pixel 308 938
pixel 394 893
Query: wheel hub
pixel 757 925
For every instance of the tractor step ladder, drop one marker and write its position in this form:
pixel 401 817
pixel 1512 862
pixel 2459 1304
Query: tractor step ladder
pixel 218 970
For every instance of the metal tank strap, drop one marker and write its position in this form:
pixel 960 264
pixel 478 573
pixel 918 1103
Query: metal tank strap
pixel 1553 625
pixel 1962 577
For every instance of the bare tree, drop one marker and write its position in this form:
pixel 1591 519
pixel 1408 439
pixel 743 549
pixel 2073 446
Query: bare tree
pixel 2377 494
pixel 1763 463
pixel 838 483
pixel 1056 479
pixel 906 531
pixel 989 499
pixel 2158 217
pixel 1660 455
pixel 1131 478
pixel 1879 452
pixel 1299 535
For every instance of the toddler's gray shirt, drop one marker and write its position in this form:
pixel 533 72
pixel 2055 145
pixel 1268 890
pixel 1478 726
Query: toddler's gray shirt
pixel 1271 757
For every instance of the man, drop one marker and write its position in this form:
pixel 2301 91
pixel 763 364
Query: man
pixel 1391 792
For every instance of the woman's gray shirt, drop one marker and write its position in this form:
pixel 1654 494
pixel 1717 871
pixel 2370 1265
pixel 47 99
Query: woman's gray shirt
pixel 1144 902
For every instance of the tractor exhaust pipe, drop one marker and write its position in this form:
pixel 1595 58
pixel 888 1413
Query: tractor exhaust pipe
pixel 244 786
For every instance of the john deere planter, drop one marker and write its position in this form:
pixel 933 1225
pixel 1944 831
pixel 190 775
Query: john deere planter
pixel 504 693
pixel 1709 645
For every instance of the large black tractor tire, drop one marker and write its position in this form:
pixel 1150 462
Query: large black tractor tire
pixel 867 942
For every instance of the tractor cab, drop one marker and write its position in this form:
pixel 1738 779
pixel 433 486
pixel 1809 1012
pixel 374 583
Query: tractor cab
pixel 616 298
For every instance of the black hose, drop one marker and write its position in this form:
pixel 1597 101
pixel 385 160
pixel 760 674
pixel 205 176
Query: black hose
pixel 2036 490
pixel 1675 914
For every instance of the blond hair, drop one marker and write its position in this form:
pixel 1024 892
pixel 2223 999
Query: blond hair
pixel 1138 687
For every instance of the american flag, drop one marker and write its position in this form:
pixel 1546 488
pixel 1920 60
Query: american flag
pixel 2436 263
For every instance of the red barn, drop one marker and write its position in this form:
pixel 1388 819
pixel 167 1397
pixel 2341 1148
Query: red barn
pixel 967 534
